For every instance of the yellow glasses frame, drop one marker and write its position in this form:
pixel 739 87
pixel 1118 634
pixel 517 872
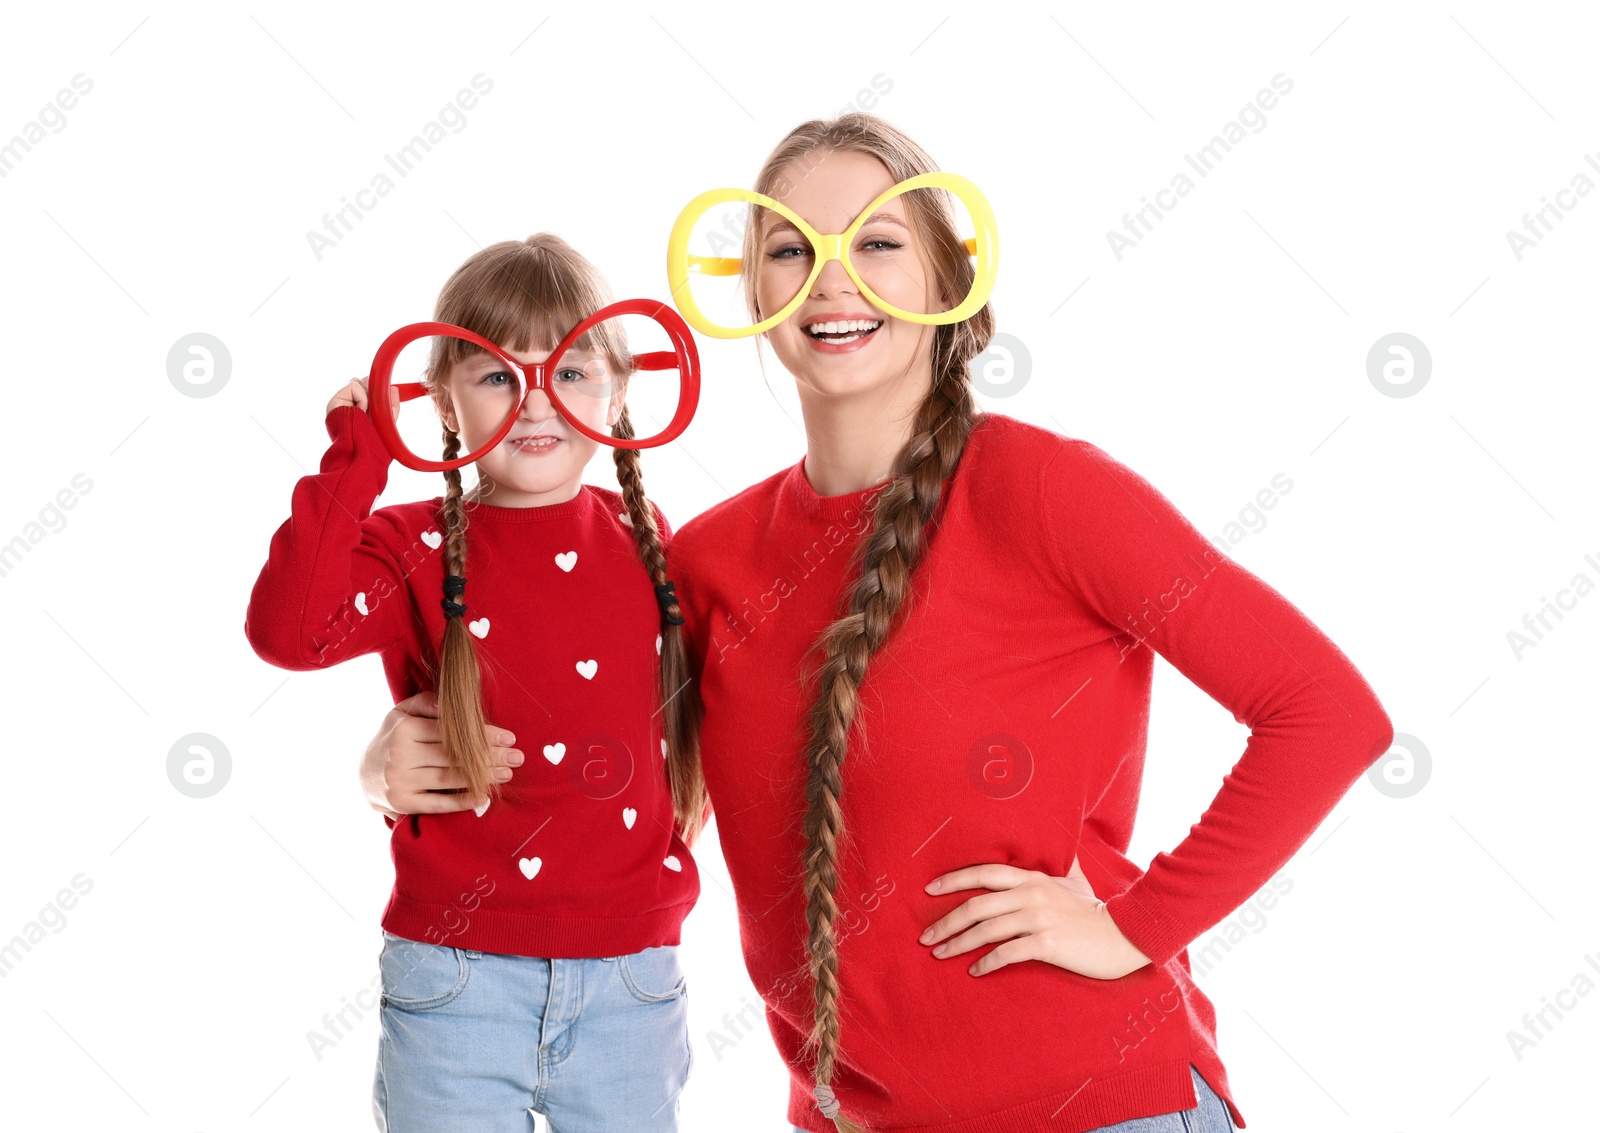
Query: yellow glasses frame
pixel 984 246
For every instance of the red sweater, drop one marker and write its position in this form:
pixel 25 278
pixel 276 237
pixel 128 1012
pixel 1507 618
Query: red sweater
pixel 1005 721
pixel 580 856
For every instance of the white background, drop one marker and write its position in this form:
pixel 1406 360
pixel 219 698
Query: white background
pixel 1230 345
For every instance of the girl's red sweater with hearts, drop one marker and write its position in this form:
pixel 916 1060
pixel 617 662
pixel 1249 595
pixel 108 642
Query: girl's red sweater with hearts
pixel 581 856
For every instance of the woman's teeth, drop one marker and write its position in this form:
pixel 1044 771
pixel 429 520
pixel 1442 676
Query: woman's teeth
pixel 840 332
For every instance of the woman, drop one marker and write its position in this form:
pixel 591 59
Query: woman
pixel 924 655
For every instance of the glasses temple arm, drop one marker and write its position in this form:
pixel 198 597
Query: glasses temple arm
pixel 714 265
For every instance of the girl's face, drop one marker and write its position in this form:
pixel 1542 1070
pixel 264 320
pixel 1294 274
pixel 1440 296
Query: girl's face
pixel 541 460
pixel 828 192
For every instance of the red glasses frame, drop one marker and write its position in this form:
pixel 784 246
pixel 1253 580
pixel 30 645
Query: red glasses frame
pixel 684 357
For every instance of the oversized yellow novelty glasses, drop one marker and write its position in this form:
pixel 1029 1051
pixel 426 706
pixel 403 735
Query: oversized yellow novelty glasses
pixel 705 264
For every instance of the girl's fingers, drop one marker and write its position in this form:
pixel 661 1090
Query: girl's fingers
pixel 351 394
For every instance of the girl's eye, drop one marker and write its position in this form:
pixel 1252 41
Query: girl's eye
pixel 881 244
pixel 494 378
pixel 569 375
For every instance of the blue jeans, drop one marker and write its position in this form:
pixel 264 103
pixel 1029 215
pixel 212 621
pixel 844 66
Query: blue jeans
pixel 1210 1115
pixel 482 1041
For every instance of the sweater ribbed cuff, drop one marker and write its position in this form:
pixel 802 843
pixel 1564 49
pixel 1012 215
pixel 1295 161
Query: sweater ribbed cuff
pixel 1156 937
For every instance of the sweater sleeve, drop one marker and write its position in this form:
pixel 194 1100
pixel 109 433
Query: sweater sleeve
pixel 1125 551
pixel 332 589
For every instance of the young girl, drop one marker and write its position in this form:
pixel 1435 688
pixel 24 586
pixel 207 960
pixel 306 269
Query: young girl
pixel 529 955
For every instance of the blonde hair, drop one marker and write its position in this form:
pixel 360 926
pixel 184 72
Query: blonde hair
pixel 526 295
pixel 885 557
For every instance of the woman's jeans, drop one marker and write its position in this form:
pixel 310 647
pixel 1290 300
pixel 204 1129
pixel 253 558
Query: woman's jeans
pixel 1209 1116
pixel 481 1041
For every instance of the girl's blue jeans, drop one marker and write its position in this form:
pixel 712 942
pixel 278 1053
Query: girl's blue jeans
pixel 483 1041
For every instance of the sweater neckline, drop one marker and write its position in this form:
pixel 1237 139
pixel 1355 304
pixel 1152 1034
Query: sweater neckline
pixel 798 488
pixel 827 507
pixel 496 513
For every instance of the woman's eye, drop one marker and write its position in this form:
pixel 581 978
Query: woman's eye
pixel 881 244
pixel 789 252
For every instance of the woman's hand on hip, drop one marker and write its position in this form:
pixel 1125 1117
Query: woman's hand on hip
pixel 1034 916
pixel 404 770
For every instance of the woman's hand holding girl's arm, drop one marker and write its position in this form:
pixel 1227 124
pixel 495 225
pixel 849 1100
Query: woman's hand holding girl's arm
pixel 404 770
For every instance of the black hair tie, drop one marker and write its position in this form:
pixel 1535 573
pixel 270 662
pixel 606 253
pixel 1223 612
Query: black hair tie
pixel 454 587
pixel 665 598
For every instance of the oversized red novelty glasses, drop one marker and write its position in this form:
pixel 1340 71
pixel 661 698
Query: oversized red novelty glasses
pixel 583 377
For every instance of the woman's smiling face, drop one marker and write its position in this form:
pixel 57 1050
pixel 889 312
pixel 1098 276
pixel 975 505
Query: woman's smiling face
pixel 838 342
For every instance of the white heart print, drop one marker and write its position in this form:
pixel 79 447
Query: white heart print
pixel 479 628
pixel 432 539
pixel 529 867
pixel 361 603
pixel 626 522
pixel 663 749
pixel 586 669
pixel 480 808
pixel 554 752
pixel 566 560
pixel 673 863
pixel 658 645
pixel 628 815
